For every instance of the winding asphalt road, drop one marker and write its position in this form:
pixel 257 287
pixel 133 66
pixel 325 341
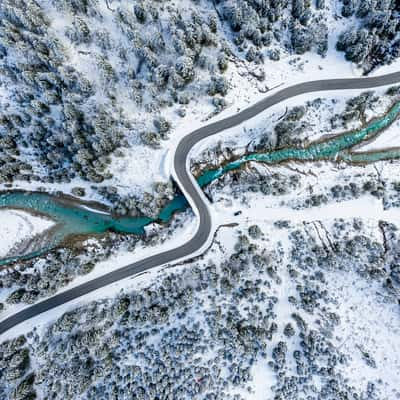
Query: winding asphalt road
pixel 193 192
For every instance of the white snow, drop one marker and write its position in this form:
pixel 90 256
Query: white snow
pixel 394 66
pixel 94 210
pixel 363 207
pixel 369 321
pixel 139 169
pixel 17 226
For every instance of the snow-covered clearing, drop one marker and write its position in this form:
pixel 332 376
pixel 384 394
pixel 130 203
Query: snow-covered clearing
pixel 368 322
pixel 260 210
pixel 17 226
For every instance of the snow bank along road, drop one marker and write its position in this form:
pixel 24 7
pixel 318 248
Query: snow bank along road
pixel 193 192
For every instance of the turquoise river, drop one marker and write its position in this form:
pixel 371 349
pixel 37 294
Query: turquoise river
pixel 74 219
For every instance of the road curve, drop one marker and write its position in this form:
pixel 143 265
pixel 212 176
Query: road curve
pixel 194 193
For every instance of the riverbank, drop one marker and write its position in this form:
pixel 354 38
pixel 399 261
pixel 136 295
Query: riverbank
pixel 331 147
pixel 23 231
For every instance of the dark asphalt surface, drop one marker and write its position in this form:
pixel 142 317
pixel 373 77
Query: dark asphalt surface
pixel 190 188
